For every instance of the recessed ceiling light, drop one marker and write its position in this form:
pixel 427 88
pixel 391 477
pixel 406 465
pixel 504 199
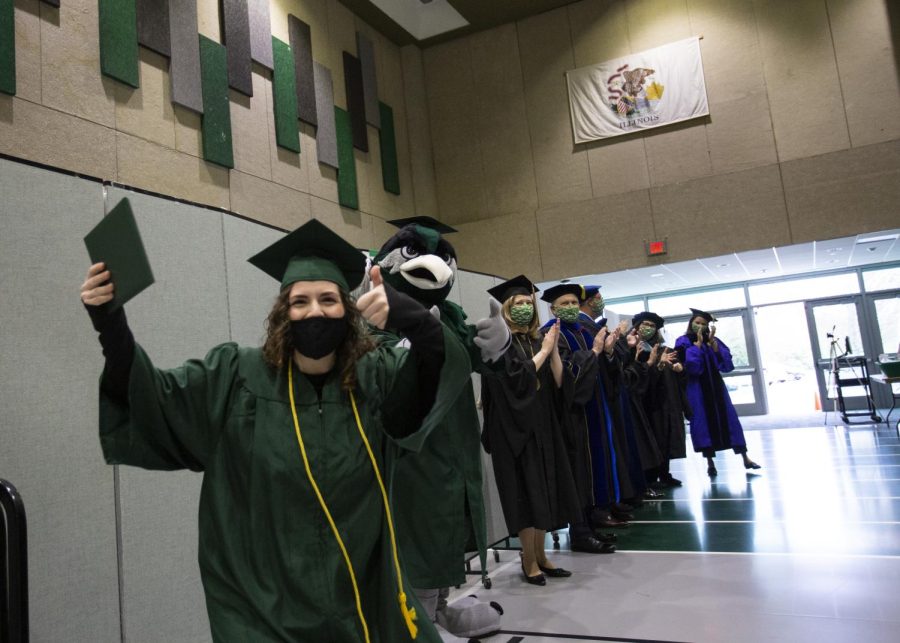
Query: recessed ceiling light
pixel 831 251
pixel 658 274
pixel 834 261
pixel 721 265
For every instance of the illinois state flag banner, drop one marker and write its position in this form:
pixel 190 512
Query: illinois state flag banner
pixel 650 89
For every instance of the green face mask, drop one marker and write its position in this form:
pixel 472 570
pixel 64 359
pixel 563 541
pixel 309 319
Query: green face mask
pixel 698 328
pixel 567 313
pixel 522 314
pixel 647 332
pixel 598 305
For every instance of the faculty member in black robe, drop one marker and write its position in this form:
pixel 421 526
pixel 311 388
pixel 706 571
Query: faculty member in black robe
pixel 522 432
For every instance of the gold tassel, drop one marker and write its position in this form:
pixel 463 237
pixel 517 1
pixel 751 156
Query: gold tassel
pixel 409 615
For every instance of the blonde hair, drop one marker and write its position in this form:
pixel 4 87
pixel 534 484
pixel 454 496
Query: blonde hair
pixel 532 329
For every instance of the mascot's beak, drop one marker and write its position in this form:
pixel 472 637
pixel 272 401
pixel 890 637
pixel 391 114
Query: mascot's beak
pixel 427 272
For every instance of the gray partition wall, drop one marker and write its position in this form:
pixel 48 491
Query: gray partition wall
pixel 113 550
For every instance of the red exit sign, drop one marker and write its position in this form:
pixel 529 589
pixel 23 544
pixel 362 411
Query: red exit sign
pixel 655 248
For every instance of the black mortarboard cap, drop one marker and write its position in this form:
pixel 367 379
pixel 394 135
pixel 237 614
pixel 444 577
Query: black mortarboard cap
pixel 702 313
pixel 428 222
pixel 653 317
pixel 312 252
pixel 516 286
pixel 557 291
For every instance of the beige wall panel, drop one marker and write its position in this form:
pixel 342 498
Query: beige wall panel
pixel 740 134
pixel 341 38
pixel 188 131
pixel 598 235
pixel 505 246
pixel 151 167
pixel 732 60
pixel 355 227
pixel 417 129
pixel 460 189
pixel 843 193
pixel 321 179
pixel 561 171
pixel 33 132
pixel 70 64
pixel 862 42
pixel 268 202
pixel 147 112
pixel 722 214
pixel 804 92
pixel 381 232
pixel 618 165
pixel 599 31
pixel 678 153
pixel 208 22
pixel 448 69
pixel 250 129
pixel 28 50
pixel 502 124
pixel 652 23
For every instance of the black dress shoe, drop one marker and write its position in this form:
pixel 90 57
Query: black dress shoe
pixel 622 506
pixel 608 537
pixel 669 481
pixel 555 572
pixel 650 494
pixel 609 522
pixel 591 545
pixel 750 464
pixel 623 516
pixel 533 580
pixel 712 471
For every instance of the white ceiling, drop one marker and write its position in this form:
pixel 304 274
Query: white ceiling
pixel 422 19
pixel 846 252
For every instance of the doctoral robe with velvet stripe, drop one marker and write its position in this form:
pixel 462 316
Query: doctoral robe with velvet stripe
pixel 714 422
pixel 271 567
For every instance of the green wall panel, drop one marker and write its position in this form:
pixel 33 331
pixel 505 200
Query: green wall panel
pixel 118 41
pixel 284 93
pixel 346 175
pixel 7 47
pixel 390 174
pixel 216 122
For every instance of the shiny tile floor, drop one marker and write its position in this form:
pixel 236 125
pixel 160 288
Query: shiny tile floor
pixel 806 549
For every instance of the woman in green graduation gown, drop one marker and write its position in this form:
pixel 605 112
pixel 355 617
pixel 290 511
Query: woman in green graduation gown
pixel 295 440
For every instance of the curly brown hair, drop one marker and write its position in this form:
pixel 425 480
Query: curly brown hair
pixel 279 346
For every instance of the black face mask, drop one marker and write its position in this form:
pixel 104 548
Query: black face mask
pixel 316 337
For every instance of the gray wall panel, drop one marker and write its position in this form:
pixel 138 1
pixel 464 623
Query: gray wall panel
pixel 326 134
pixel 49 363
pixel 251 292
pixel 301 45
pixel 370 81
pixel 184 65
pixel 261 33
pixel 153 26
pixel 236 38
pixel 183 315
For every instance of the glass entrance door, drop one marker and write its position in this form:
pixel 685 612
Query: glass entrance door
pixel 885 310
pixel 836 330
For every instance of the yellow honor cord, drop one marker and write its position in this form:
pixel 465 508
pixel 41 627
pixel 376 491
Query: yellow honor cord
pixel 409 614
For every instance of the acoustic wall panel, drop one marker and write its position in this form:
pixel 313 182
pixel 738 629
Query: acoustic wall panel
pixel 153 26
pixel 356 101
pixel 118 41
pixel 7 47
pixel 390 173
pixel 284 95
pixel 301 45
pixel 184 64
pixel 261 33
pixel 326 137
pixel 346 175
pixel 370 82
pixel 52 3
pixel 236 36
pixel 216 122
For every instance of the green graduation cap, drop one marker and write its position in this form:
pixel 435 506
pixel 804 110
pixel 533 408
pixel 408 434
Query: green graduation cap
pixel 312 252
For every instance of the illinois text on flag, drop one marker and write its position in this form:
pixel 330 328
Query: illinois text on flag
pixel 656 87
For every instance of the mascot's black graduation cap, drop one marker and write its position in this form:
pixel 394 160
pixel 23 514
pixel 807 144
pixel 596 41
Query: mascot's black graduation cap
pixel 520 285
pixel 422 220
pixel 312 252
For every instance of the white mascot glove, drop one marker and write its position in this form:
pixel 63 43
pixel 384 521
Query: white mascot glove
pixel 492 334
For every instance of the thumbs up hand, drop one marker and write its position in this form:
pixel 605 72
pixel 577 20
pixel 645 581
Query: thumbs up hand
pixel 374 305
pixel 492 334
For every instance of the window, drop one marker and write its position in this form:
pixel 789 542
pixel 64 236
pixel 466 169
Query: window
pixel 882 279
pixel 804 289
pixel 709 300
